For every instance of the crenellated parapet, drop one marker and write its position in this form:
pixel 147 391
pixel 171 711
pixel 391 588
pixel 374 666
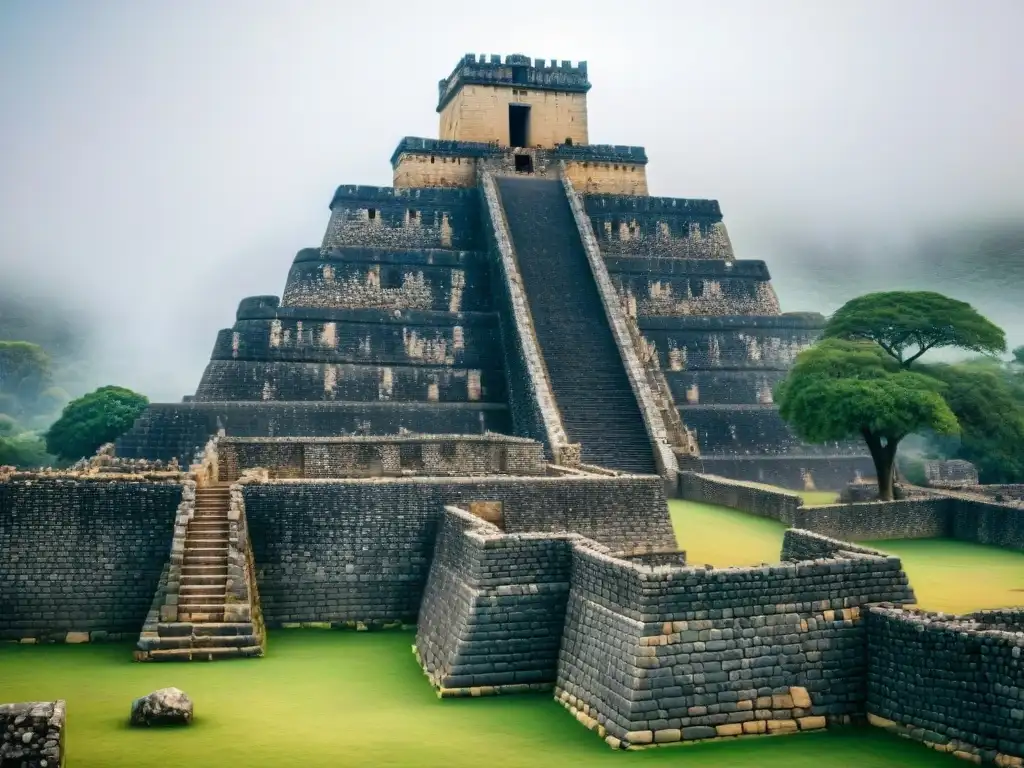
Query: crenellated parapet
pixel 514 70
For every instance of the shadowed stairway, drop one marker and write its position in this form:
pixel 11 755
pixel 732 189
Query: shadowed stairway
pixel 598 407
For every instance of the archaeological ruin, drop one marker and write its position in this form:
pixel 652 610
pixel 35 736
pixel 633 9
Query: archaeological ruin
pixel 465 413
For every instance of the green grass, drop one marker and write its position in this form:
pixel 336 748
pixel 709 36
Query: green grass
pixel 359 699
pixel 947 575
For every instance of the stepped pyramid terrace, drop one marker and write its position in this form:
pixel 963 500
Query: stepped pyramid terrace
pixel 517 280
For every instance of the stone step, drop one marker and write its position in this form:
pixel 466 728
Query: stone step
pixel 195 580
pixel 219 569
pixel 207 641
pixel 191 590
pixel 184 628
pixel 193 559
pixel 200 617
pixel 205 654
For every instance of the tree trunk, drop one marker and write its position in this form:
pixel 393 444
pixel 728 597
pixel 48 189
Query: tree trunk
pixel 884 459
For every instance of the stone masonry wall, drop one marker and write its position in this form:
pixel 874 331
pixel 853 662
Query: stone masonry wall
pixel 661 655
pixel 493 608
pixel 763 502
pixel 347 551
pixel 81 558
pixel 33 734
pixel 953 682
pixel 453 455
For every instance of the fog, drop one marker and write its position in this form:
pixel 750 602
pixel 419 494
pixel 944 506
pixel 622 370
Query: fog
pixel 160 161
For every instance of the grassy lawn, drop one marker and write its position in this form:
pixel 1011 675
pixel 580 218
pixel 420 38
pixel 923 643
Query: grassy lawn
pixel 359 699
pixel 952 576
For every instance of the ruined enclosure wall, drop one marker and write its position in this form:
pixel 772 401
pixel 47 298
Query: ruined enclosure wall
pixel 180 429
pixel 664 655
pixel 826 472
pixel 762 502
pixel 34 733
pixel 385 217
pixel 81 558
pixel 951 682
pixel 358 550
pixel 493 609
pixel 904 519
pixel 1000 525
pixel 454 455
pixel 403 278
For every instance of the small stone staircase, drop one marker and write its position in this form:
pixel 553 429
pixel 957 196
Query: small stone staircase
pixel 204 569
pixel 214 611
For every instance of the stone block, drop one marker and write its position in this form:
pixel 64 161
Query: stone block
pixel 76 637
pixel 811 723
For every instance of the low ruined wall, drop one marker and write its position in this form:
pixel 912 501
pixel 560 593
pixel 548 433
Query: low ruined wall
pixel 347 551
pixel 763 502
pixel 904 519
pixel 80 559
pixel 831 473
pixel 493 609
pixel 931 516
pixel 33 734
pixel 952 682
pixel 660 655
pixel 1000 525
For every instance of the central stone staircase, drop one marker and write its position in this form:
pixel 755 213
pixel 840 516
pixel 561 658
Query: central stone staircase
pixel 211 615
pixel 589 381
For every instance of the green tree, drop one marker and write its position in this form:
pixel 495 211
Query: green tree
pixel 841 389
pixel 906 324
pixel 24 374
pixel 989 405
pixel 92 420
pixel 1018 355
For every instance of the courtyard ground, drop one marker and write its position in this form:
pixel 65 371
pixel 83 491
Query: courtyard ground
pixel 947 575
pixel 335 698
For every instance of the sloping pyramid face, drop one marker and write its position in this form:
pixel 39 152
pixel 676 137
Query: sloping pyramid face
pixel 390 326
pixel 714 323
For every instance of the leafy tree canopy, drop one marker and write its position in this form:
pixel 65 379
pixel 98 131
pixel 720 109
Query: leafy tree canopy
pixel 1018 355
pixel 840 389
pixel 906 324
pixel 23 451
pixel 92 420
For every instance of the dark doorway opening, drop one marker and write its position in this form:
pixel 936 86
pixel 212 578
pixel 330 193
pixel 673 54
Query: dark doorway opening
pixel 518 125
pixel 524 164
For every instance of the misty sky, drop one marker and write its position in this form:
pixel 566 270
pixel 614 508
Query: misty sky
pixel 159 161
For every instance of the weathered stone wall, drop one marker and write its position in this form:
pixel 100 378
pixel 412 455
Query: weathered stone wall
pixel 493 608
pixel 81 558
pixel 403 278
pixel 762 502
pixel 262 380
pixel 33 734
pixel 934 515
pixel 659 226
pixel 824 473
pixel 358 550
pixel 607 178
pixel 367 336
pixel 952 682
pixel 659 655
pixel 420 169
pixel 181 429
pixel 904 519
pixel 385 217
pixel 452 455
pixel 481 113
